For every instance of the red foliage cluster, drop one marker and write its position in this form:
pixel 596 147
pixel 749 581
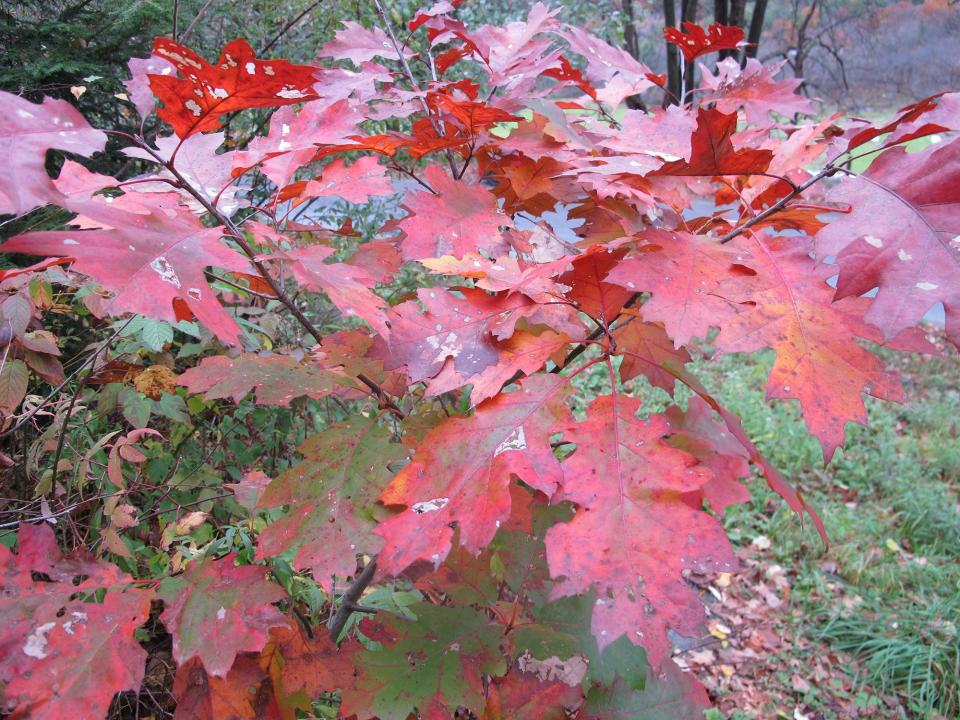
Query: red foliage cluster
pixel 550 548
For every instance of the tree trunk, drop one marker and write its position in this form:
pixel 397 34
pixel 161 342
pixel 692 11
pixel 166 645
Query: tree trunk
pixel 690 68
pixel 673 57
pixel 721 11
pixel 736 16
pixel 634 102
pixel 756 29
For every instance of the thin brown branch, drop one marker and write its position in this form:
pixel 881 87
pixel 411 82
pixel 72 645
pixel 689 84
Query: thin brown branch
pixel 237 236
pixel 780 204
pixel 408 71
pixel 92 358
pixel 286 28
pixel 348 604
pixel 196 19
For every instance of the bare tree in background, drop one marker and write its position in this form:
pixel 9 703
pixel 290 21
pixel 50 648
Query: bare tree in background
pixel 681 76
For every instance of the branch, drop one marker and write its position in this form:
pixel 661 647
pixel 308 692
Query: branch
pixel 829 170
pixel 413 81
pixel 237 235
pixel 200 14
pixel 348 604
pixel 287 27
pixel 22 421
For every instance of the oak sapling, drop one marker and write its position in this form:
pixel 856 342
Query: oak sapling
pixel 480 548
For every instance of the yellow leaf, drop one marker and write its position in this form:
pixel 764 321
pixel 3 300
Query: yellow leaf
pixel 718 629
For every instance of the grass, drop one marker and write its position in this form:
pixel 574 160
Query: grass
pixel 886 594
pixel 890 504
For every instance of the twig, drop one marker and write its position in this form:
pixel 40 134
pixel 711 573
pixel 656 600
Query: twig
pixel 780 204
pixel 241 288
pixel 413 81
pixel 235 233
pixel 348 604
pixel 200 14
pixel 22 421
pixel 287 27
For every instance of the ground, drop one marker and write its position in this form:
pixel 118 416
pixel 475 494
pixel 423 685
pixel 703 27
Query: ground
pixel 867 628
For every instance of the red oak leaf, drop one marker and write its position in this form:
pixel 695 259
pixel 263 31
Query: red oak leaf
pixel 460 218
pixel 450 327
pixel 195 101
pixel 217 609
pixel 27 131
pixel 379 258
pixel 359 44
pixel 343 470
pixel 424 14
pixel 277 379
pixel 792 311
pixel 151 259
pixel 463 329
pixel 462 470
pixel 523 353
pixel 249 489
pixel 621 74
pixel 533 186
pixel 649 351
pixel 697 433
pixel 347 286
pixel 662 135
pixel 712 151
pixel 754 89
pixel 515 52
pixel 472 116
pixel 934 114
pixel 294 138
pixel 535 280
pixel 354 183
pixel 197 160
pixel 901 235
pixel 694 41
pixel 681 271
pixel 633 534
pixel 567 73
pixel 61 656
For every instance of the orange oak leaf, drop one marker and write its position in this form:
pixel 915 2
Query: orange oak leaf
pixel 818 361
